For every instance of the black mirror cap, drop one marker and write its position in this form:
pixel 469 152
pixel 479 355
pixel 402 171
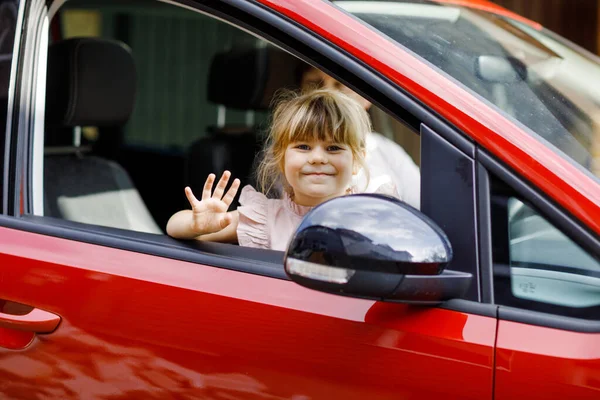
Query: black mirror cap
pixel 364 245
pixel 500 69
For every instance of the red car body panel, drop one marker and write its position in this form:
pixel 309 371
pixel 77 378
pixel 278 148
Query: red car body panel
pixel 560 179
pixel 140 326
pixel 541 363
pixel 13 339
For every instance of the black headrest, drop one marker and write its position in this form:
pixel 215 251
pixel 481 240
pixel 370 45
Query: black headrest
pixel 90 82
pixel 246 78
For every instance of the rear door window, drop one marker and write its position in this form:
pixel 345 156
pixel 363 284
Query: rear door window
pixel 536 265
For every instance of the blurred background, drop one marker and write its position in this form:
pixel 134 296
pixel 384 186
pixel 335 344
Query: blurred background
pixel 577 20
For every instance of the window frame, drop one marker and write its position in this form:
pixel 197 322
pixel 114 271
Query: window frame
pixel 554 214
pixel 26 95
pixel 265 23
pixel 446 169
pixel 10 143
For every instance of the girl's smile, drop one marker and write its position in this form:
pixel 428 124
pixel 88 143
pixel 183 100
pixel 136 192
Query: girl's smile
pixel 318 172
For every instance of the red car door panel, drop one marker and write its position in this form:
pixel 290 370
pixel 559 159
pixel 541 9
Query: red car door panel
pixel 536 362
pixel 137 325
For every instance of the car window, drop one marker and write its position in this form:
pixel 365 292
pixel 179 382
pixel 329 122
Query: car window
pixel 203 92
pixel 8 22
pixel 537 266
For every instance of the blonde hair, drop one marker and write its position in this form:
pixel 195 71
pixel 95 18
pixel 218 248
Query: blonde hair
pixel 315 115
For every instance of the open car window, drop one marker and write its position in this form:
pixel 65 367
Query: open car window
pixel 193 97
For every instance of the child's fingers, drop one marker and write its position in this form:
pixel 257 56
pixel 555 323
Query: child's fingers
pixel 228 198
pixel 190 196
pixel 220 189
pixel 206 191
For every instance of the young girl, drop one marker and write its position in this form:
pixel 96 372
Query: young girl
pixel 316 144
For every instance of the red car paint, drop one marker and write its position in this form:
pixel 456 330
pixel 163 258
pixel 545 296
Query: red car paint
pixel 543 363
pixel 207 332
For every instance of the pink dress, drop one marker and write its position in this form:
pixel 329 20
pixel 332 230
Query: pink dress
pixel 270 223
pixel 267 223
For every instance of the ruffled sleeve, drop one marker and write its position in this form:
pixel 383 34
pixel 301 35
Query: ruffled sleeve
pixel 252 230
pixel 388 188
pixel 383 184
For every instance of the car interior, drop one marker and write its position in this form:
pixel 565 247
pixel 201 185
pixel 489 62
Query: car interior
pixel 144 98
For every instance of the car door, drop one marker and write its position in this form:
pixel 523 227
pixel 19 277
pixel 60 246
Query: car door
pixel 546 281
pixel 98 312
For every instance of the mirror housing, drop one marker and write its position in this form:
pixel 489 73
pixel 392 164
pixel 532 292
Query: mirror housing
pixel 496 69
pixel 374 246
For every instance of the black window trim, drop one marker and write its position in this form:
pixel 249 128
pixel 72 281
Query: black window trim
pixel 547 320
pixel 557 216
pixel 483 210
pixel 19 151
pixel 446 168
pixel 10 192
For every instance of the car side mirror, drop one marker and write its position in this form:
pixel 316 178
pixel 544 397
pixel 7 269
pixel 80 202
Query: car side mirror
pixel 374 246
pixel 495 69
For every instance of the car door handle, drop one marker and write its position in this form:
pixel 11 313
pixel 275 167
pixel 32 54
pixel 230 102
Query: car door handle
pixel 36 320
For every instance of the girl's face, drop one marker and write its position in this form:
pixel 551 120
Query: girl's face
pixel 318 171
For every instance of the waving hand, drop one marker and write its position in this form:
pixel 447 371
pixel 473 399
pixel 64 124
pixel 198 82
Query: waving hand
pixel 210 215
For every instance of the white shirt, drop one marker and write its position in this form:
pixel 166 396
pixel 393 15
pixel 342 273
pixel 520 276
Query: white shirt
pixel 389 163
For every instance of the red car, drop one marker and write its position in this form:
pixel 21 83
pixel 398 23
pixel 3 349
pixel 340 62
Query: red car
pixel 491 290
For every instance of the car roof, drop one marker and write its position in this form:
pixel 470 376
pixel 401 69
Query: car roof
pixel 559 178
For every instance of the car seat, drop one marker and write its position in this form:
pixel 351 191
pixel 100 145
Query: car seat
pixel 90 82
pixel 244 78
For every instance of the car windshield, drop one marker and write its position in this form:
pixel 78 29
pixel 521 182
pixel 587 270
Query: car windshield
pixel 546 83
